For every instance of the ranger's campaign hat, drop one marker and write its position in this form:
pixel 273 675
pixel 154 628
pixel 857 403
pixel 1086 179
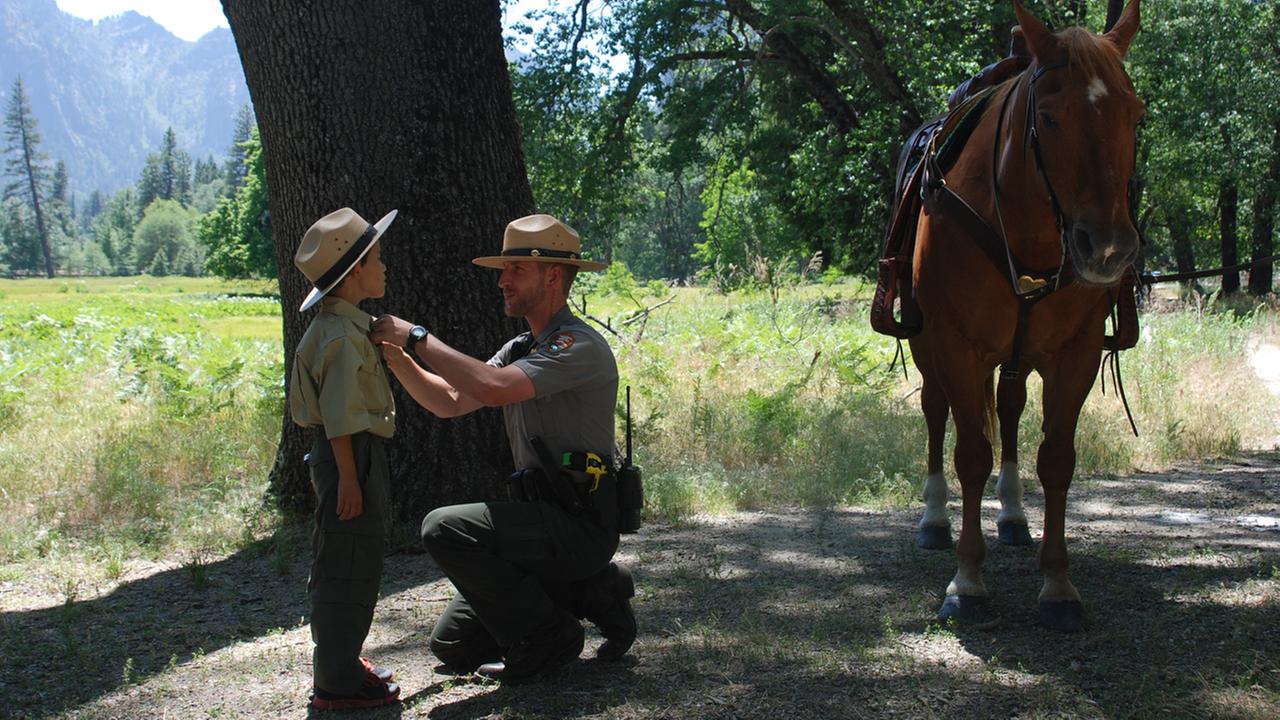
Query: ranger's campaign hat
pixel 332 246
pixel 540 238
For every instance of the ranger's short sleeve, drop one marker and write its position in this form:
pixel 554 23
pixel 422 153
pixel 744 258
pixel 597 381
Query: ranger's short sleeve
pixel 569 358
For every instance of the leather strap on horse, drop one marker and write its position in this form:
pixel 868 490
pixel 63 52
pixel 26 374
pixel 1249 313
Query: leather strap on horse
pixel 894 272
pixel 1150 278
pixel 893 284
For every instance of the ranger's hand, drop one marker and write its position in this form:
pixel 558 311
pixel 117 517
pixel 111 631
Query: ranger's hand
pixel 397 359
pixel 390 329
pixel 350 499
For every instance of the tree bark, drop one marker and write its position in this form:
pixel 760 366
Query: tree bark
pixel 1264 209
pixel 407 105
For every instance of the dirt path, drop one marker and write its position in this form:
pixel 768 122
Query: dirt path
pixel 755 615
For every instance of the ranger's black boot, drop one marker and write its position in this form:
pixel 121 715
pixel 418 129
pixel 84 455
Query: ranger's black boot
pixel 606 602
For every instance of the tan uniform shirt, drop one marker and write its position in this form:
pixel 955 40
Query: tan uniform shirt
pixel 338 380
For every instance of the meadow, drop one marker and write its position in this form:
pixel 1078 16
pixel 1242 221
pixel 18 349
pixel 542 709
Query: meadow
pixel 139 416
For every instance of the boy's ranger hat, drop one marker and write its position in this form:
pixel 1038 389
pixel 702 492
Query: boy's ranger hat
pixel 540 238
pixel 332 246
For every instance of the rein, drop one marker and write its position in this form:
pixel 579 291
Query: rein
pixel 1151 278
pixel 1032 135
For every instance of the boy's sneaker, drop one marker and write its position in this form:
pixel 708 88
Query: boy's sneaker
pixel 382 674
pixel 373 693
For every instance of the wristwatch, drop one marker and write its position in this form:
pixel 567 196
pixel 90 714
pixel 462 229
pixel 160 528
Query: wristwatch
pixel 416 333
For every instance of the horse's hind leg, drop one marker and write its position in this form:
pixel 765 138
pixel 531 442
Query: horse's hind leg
pixel 935 527
pixel 1011 523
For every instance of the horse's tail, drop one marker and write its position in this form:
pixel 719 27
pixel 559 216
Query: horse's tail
pixel 989 423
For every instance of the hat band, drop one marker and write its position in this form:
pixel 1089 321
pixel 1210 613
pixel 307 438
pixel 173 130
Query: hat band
pixel 540 252
pixel 340 268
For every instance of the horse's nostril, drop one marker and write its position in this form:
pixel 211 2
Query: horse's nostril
pixel 1084 243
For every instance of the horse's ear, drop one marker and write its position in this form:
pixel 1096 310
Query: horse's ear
pixel 1043 45
pixel 1125 28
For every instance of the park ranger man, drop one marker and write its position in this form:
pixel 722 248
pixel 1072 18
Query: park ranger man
pixel 525 570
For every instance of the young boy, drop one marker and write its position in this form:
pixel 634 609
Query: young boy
pixel 339 387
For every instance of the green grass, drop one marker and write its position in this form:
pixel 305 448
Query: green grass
pixel 750 400
pixel 138 416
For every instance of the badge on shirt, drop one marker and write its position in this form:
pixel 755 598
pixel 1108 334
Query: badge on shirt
pixel 558 343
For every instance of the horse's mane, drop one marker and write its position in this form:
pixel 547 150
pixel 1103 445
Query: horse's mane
pixel 1093 56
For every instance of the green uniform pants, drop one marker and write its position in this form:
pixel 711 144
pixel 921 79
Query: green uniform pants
pixel 513 563
pixel 346 562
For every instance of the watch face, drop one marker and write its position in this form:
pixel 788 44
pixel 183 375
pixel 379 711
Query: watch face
pixel 417 333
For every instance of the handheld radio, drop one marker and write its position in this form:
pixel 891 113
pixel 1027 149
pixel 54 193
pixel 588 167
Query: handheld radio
pixel 630 486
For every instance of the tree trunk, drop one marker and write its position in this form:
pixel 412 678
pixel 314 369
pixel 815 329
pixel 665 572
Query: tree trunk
pixel 1264 209
pixel 1228 202
pixel 28 162
pixel 403 105
pixel 1228 205
pixel 1183 254
pixel 1114 8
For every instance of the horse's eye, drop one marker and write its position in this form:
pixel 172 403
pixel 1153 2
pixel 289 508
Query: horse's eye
pixel 1048 120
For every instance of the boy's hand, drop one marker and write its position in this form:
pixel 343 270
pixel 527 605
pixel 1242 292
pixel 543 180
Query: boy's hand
pixel 350 499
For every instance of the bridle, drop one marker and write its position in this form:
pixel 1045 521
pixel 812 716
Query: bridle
pixel 1032 137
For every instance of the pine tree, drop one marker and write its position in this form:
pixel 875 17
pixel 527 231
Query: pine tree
pixel 26 164
pixel 235 155
pixel 167 174
pixel 92 209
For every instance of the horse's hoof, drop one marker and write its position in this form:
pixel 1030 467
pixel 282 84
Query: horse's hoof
pixel 1012 533
pixel 1062 615
pixel 934 537
pixel 964 608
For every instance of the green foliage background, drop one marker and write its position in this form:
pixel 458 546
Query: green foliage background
pixel 676 139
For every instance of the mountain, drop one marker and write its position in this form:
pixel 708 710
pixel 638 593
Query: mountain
pixel 105 92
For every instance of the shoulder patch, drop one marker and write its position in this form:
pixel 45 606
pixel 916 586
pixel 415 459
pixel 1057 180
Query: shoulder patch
pixel 558 343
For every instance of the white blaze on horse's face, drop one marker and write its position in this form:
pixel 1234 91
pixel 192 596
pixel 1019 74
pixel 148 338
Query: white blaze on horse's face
pixel 1097 90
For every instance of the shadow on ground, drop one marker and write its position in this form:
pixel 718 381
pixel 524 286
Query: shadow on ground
pixel 57 658
pixel 791 614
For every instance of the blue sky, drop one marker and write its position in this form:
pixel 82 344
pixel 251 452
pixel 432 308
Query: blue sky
pixel 191 19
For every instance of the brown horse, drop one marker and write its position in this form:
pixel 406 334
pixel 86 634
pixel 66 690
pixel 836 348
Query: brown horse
pixel 1016 248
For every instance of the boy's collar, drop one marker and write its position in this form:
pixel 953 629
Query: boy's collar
pixel 343 308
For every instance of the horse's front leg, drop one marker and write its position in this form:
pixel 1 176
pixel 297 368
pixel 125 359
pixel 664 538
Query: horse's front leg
pixel 1066 385
pixel 1011 523
pixel 971 407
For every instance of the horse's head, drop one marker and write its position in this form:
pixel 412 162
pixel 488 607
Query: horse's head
pixel 1085 114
